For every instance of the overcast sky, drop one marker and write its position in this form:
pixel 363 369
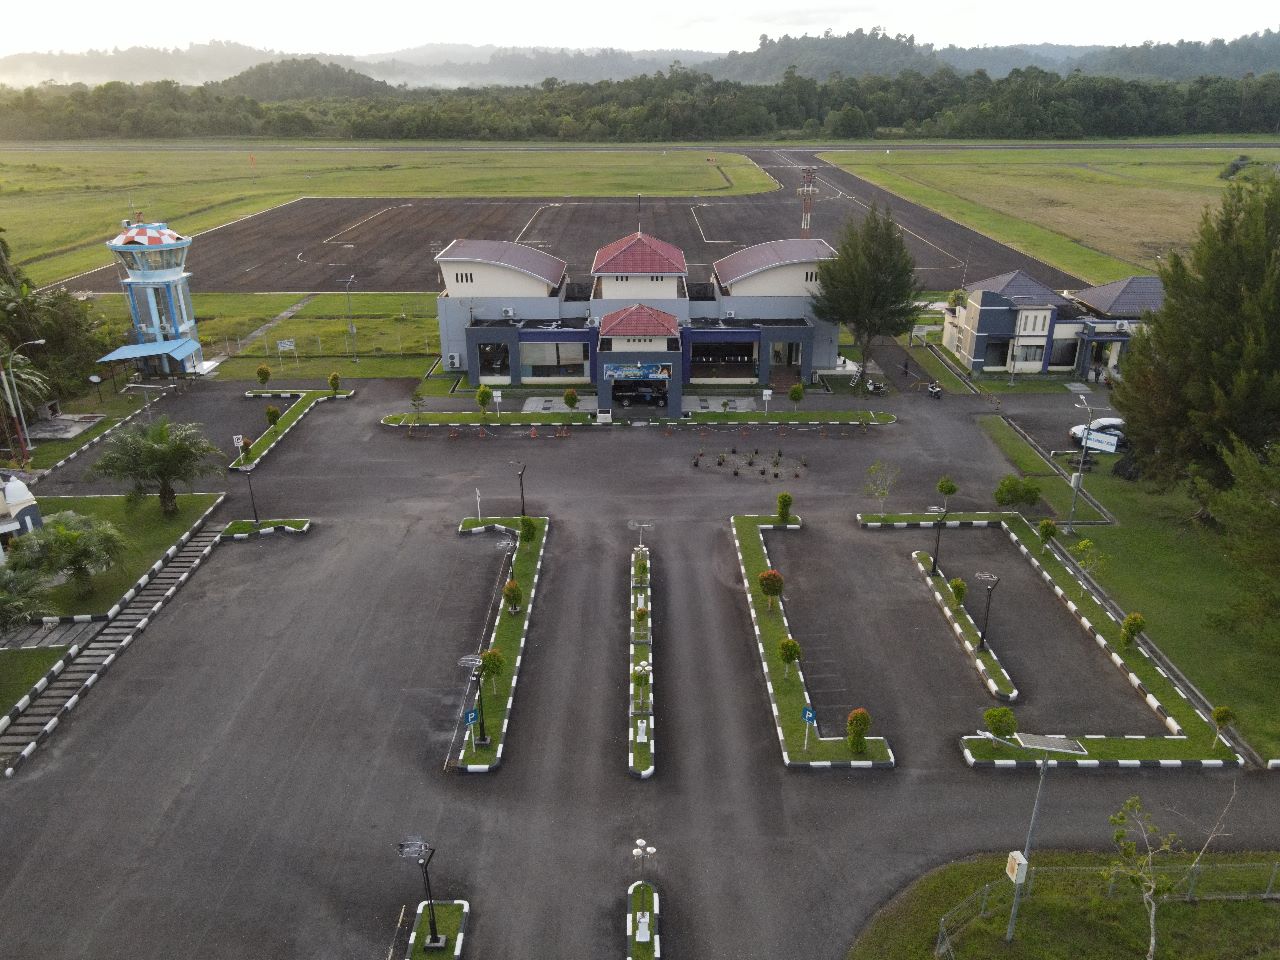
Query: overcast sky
pixel 378 26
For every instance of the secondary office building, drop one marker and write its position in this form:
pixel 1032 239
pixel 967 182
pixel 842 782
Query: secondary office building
pixel 511 314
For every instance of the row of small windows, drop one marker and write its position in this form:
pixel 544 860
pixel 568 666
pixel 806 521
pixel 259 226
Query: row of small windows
pixel 464 278
pixel 811 276
pixel 673 343
pixel 624 277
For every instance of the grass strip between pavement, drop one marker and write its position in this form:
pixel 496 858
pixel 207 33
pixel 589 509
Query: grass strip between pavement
pixel 511 628
pixel 641 754
pixel 974 647
pixel 642 899
pixel 1055 490
pixel 448 923
pixel 789 689
pixel 21 668
pixel 306 399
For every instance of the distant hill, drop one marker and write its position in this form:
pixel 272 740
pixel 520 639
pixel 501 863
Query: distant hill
pixel 857 54
pixel 301 79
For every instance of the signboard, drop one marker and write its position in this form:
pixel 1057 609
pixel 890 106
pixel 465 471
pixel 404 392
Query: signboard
pixel 1016 868
pixel 768 394
pixel 283 345
pixel 1102 442
pixel 808 715
pixel 497 396
pixel 472 716
pixel 637 371
pixel 238 440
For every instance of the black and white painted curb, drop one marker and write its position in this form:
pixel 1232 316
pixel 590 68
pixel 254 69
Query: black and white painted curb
pixel 96 440
pixel 645 601
pixel 524 636
pixel 764 661
pixel 692 422
pixel 266 531
pixel 143 580
pixel 654 926
pixel 47 730
pixel 958 629
pixel 1097 764
pixel 462 925
pixel 299 394
pixel 996 521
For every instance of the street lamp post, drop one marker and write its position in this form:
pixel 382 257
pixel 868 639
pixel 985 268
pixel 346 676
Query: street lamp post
pixel 1078 483
pixel 1026 850
pixel 937 540
pixel 16 400
pixel 415 848
pixel 472 662
pixel 521 465
pixel 248 476
pixel 351 326
pixel 641 527
pixel 641 854
pixel 992 581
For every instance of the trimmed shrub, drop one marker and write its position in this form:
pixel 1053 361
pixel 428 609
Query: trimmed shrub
pixel 771 584
pixel 785 501
pixel 264 373
pixel 856 726
pixel 513 596
pixel 1001 722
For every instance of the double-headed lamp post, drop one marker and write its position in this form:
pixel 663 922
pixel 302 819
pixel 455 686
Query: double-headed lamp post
pixel 991 581
pixel 937 540
pixel 638 525
pixel 23 441
pixel 415 848
pixel 520 474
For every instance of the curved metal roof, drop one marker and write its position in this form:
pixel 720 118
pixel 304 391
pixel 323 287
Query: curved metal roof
pixel 764 256
pixel 506 253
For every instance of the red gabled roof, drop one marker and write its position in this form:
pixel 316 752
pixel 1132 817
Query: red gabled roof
pixel 639 321
pixel 639 253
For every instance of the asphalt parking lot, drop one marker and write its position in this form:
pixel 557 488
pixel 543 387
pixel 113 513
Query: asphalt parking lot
pixel 236 786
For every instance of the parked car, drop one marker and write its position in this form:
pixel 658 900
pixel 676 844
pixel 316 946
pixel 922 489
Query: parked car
pixel 627 394
pixel 1113 426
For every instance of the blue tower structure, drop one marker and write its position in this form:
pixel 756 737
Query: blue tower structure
pixel 165 341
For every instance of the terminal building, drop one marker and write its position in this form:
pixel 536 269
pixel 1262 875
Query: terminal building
pixel 157 285
pixel 1014 323
pixel 510 314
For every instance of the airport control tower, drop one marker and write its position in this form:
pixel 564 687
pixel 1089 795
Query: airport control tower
pixel 165 342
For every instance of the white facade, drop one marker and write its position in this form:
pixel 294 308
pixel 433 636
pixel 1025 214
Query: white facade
pixel 784 280
pixel 463 278
pixel 638 287
pixel 636 344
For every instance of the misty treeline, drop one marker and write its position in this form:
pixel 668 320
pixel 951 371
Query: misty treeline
pixel 680 104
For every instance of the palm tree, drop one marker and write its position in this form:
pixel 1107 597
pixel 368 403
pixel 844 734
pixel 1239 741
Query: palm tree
pixel 21 597
pixel 69 543
pixel 154 457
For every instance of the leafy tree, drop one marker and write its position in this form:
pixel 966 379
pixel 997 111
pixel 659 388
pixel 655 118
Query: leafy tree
pixel 785 501
pixel 947 489
pixel 528 530
pixel 642 614
pixel 1249 511
pixel 70 544
pixel 1144 855
pixel 263 373
pixel 789 651
pixel 1048 531
pixel 571 398
pixel 31 387
pixel 1132 625
pixel 22 596
pixel 1001 722
pixel 959 589
pixel 1089 557
pixel 1206 369
pixel 795 395
pixel 771 584
pixel 417 404
pixel 870 286
pixel 273 415
pixel 484 397
pixel 881 478
pixel 856 726
pixel 1016 491
pixel 1222 717
pixel 513 595
pixel 492 663
pixel 335 381
pixel 156 456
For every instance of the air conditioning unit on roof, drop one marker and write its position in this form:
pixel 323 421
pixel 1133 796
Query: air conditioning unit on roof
pixel 730 314
pixel 453 361
pixel 508 313
pixel 1122 326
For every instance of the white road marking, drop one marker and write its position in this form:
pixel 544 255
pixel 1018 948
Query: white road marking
pixel 701 232
pixel 545 206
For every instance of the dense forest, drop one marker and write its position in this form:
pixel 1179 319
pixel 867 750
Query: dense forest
pixel 856 54
pixel 680 104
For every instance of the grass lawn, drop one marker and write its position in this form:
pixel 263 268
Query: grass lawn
pixel 510 628
pixel 367 305
pixel 1055 491
pixel 327 336
pixel 49 452
pixel 148 535
pixel 1067 921
pixel 248 526
pixel 319 368
pixel 1099 213
pixel 301 405
pixel 1022 383
pixel 56 203
pixel 925 359
pixel 983 653
pixel 448 923
pixel 641 899
pixel 20 669
pixel 789 691
pixel 1198 747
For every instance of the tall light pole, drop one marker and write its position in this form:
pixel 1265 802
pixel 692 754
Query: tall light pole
pixel 937 540
pixel 521 465
pixel 415 848
pixel 471 662
pixel 1077 483
pixel 351 326
pixel 637 525
pixel 248 476
pixel 992 581
pixel 16 400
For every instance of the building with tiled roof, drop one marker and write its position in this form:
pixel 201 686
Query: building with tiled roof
pixel 1128 299
pixel 639 320
pixel 638 266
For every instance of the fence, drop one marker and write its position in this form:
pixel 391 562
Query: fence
pixel 1214 881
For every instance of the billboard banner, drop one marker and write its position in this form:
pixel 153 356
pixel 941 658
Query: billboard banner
pixel 637 371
